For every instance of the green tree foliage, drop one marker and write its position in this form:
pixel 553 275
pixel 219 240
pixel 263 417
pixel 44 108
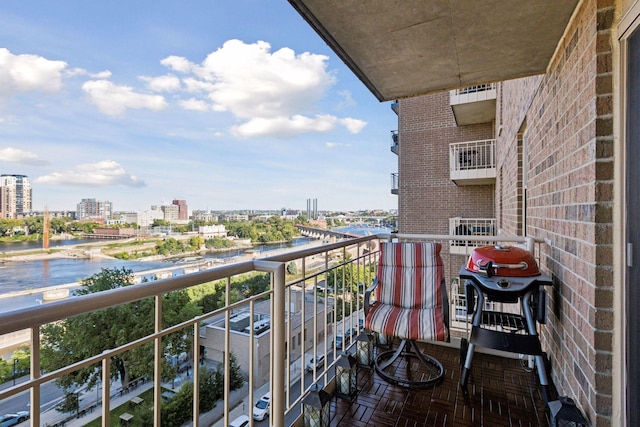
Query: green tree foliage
pixel 178 410
pixel 211 296
pixel 5 370
pixel 171 246
pixel 8 224
pixel 274 229
pixel 218 243
pixel 160 223
pixel 21 359
pixel 292 268
pixel 86 335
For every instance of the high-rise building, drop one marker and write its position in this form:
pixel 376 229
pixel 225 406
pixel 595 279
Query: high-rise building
pixel 183 213
pixel 171 212
pixel 15 196
pixel 94 209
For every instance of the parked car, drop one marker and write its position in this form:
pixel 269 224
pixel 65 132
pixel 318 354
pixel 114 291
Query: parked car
pixel 13 419
pixel 339 341
pixel 315 363
pixel 261 408
pixel 241 421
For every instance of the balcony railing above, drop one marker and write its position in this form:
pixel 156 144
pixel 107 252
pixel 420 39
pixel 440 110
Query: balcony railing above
pixel 474 104
pixel 394 106
pixel 470 227
pixel 473 162
pixel 395 142
pixel 395 183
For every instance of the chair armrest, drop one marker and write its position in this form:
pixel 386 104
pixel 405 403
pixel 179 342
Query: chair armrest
pixel 367 296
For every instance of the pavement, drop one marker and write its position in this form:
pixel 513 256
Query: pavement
pixel 238 405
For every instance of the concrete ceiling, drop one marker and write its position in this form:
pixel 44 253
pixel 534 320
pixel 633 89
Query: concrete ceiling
pixel 402 48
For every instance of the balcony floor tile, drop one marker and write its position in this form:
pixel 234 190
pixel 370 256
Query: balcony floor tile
pixel 500 393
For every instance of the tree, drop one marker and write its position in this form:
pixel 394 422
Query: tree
pixel 292 268
pixel 86 335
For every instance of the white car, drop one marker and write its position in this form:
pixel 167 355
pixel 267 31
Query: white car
pixel 241 421
pixel 316 363
pixel 13 419
pixel 261 408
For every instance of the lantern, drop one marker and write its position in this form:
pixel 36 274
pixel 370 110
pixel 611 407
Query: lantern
pixel 564 412
pixel 346 376
pixel 364 349
pixel 316 407
pixel 384 340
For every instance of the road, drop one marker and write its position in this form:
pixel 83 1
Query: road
pixel 50 393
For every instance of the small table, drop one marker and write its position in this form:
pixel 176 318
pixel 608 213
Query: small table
pixel 136 400
pixel 125 419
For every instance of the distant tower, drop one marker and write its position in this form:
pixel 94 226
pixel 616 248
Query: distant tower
pixel 45 229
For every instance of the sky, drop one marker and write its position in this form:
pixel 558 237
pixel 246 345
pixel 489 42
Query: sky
pixel 227 104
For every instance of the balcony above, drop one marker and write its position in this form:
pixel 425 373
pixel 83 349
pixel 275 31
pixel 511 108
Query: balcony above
pixel 474 104
pixel 473 162
pixel 475 227
pixel 394 106
pixel 395 142
pixel 395 181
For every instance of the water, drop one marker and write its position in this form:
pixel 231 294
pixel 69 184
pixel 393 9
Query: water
pixel 23 276
pixel 21 246
pixel 363 230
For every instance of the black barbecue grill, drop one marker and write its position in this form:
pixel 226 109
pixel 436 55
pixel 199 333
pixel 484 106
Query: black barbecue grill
pixel 509 275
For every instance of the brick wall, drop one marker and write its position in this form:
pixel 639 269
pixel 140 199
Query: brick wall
pixel 567 115
pixel 427 196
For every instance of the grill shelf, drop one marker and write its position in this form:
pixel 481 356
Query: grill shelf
pixel 510 321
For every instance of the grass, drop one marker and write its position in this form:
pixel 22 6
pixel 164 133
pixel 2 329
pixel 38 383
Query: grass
pixel 114 415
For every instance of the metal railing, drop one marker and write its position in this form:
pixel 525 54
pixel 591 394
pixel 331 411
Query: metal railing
pixel 474 89
pixel 395 183
pixel 395 141
pixel 472 155
pixel 316 311
pixel 470 227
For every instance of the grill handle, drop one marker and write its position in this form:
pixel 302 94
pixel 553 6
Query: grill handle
pixel 486 269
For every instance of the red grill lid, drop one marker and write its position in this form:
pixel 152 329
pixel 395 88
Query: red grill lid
pixel 502 261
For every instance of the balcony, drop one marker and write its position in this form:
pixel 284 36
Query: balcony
pixel 470 227
pixel 474 104
pixel 473 162
pixel 395 142
pixel 394 106
pixel 395 183
pixel 314 307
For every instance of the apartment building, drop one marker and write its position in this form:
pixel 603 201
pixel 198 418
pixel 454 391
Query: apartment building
pixel 301 335
pixel 15 196
pixel 183 211
pixel 92 209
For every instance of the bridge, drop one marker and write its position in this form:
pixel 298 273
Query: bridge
pixel 323 233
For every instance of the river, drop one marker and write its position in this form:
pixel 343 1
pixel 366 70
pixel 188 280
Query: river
pixel 24 276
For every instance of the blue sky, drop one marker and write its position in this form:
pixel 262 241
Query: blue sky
pixel 232 104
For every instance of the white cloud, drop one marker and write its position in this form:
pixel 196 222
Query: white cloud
pixel 100 174
pixel 195 105
pixel 167 83
pixel 284 126
pixel 353 125
pixel 295 125
pixel 25 73
pixel 272 93
pixel 15 155
pixel 114 99
pixel 177 63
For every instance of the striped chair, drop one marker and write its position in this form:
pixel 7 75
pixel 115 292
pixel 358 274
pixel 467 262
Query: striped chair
pixel 411 304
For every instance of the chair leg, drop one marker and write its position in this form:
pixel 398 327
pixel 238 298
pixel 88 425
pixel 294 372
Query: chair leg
pixel 386 367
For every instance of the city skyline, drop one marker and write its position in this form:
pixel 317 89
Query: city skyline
pixel 232 105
